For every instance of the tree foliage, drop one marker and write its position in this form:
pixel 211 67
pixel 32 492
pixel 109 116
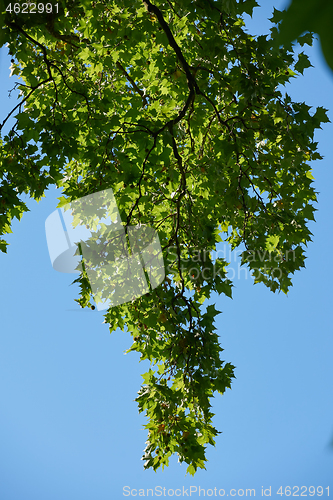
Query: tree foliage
pixel 181 112
pixel 309 16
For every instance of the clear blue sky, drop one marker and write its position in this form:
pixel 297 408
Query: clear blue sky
pixel 69 428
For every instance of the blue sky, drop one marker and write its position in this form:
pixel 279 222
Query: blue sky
pixel 69 428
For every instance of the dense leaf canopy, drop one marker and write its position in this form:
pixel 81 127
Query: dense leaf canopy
pixel 181 112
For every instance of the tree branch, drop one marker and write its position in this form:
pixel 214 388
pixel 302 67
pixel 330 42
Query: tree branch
pixel 132 82
pixel 152 9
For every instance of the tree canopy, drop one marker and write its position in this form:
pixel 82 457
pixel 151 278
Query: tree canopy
pixel 182 113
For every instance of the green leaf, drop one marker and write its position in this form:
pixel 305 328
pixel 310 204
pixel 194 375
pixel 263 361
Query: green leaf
pixel 308 16
pixel 302 63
